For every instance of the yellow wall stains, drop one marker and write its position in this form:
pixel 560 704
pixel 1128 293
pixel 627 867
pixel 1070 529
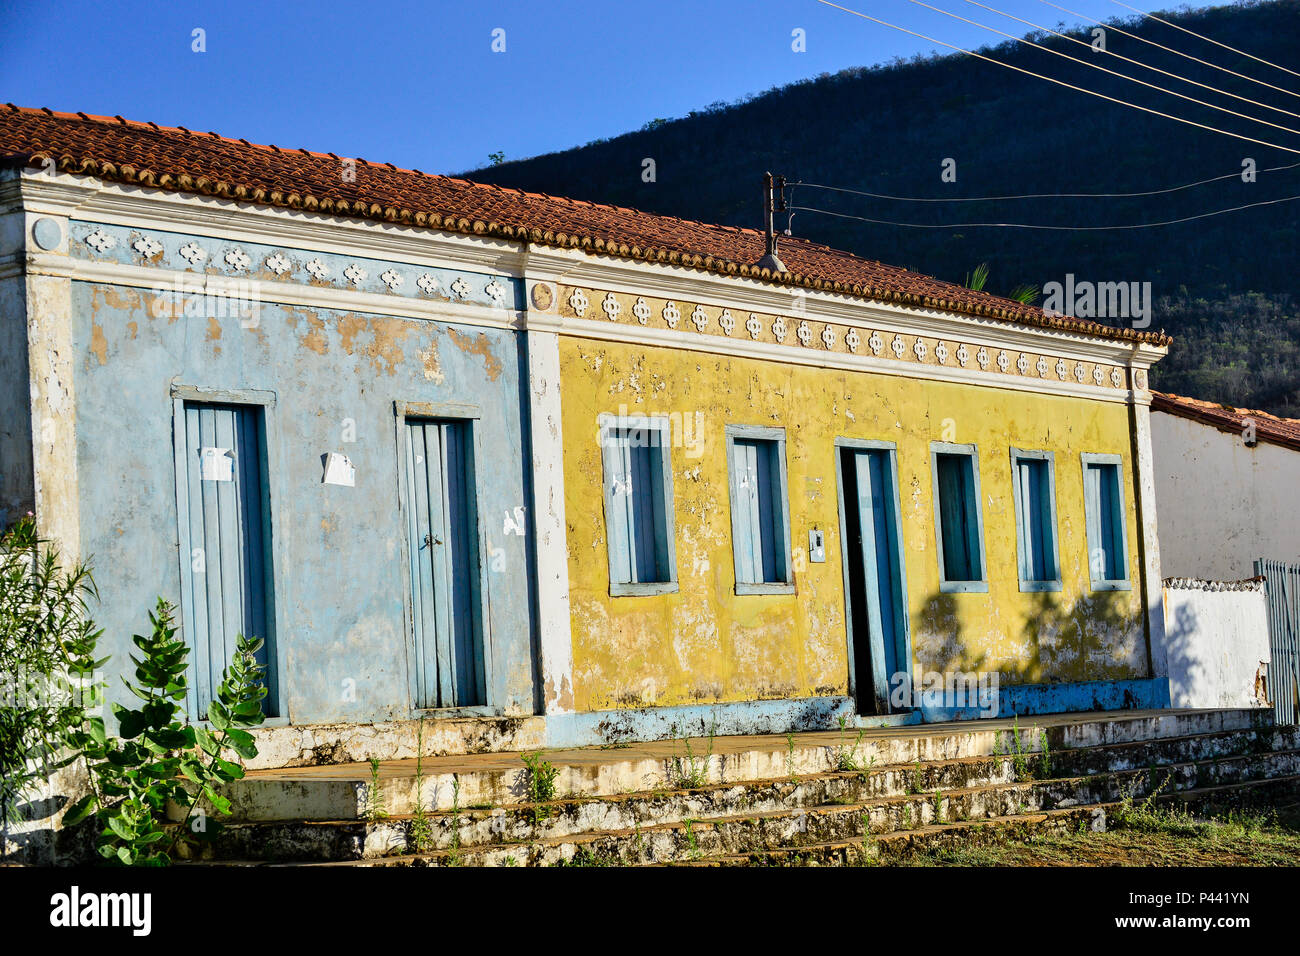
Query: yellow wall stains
pixel 705 643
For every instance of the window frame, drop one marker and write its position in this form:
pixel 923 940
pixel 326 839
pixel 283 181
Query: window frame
pixel 1028 584
pixel 1107 584
pixel 970 451
pixel 662 425
pixel 776 435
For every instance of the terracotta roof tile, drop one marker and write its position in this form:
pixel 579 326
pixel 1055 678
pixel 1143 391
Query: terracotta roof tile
pixel 1269 428
pixel 179 160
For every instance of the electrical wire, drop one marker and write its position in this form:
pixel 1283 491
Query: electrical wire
pixel 1126 59
pixel 1151 192
pixel 1161 46
pixel 1152 16
pixel 1094 66
pixel 1071 86
pixel 1021 225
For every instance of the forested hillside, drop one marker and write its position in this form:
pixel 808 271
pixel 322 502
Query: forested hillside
pixel 1226 286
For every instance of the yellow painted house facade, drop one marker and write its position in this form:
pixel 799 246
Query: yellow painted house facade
pixel 545 472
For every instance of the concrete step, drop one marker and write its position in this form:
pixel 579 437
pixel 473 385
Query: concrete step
pixel 1088 818
pixel 343 792
pixel 348 839
pixel 755 829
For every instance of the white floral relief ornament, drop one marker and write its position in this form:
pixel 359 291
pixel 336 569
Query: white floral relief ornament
pixel 147 246
pixel 355 274
pixel 828 336
pixel 578 302
pixel 1004 360
pixel 778 328
pixel 1116 377
pixel 852 340
pixel 804 333
pixel 919 349
pixel 100 241
pixel 1022 363
pixel 641 310
pixel 875 343
pixel 496 292
pixel 898 345
pixel 672 315
pixel 727 322
pixel 238 260
pixel 941 353
pixel 1041 366
pixel 317 268
pixel 1062 370
pixel 982 358
pixel 391 279
pixel 1098 375
pixel 700 318
pixel 278 263
pixel 192 254
pixel 611 307
pixel 427 284
pixel 963 355
pixel 753 326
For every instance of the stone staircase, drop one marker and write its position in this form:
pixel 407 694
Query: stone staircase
pixel 825 798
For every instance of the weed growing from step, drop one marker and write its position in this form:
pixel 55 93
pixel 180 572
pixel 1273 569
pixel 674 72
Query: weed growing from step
pixel 789 757
pixel 938 806
pixel 692 844
pixel 541 783
pixel 421 826
pixel 1025 764
pixel 454 858
pixel 846 758
pixel 692 771
pixel 375 810
pixel 914 787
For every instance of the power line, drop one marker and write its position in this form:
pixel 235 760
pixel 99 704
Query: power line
pixel 1021 225
pixel 1152 16
pixel 1161 46
pixel 1094 66
pixel 1151 192
pixel 1126 59
pixel 1070 86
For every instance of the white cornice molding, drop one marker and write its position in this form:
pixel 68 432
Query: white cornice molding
pixel 282 293
pixel 143 208
pixel 742 348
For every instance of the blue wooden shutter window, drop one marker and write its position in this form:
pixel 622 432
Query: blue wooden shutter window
pixel 1105 516
pixel 959 527
pixel 637 521
pixel 758 521
pixel 1034 521
pixel 223 541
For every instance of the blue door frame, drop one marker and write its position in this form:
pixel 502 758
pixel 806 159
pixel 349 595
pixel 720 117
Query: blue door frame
pixel 875 578
pixel 445 549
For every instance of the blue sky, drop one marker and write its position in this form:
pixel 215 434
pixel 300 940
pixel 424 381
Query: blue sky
pixel 418 84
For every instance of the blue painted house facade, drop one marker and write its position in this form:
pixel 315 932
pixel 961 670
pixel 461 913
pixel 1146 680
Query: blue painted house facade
pixel 363 420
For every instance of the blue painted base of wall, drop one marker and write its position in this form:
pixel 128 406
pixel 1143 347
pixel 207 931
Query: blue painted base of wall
pixel 824 713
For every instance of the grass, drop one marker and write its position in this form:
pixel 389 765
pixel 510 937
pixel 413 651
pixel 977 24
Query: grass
pixel 1144 834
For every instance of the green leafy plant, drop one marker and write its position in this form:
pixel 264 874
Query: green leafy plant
pixel 159 756
pixel 846 758
pixel 47 663
pixel 375 809
pixel 541 783
pixel 421 827
pixel 692 771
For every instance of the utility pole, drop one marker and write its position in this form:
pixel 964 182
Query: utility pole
pixel 773 202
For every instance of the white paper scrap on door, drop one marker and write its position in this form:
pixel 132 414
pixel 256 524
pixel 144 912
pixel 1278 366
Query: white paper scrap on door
pixel 216 464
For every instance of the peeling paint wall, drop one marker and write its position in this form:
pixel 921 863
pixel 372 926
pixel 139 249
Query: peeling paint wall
pixel 704 643
pixel 341 572
pixel 17 480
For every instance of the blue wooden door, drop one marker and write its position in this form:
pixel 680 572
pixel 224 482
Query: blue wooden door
pixel 442 524
pixel 877 601
pixel 221 497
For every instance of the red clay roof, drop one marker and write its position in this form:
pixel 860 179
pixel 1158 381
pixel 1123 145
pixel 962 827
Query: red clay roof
pixel 1269 428
pixel 179 160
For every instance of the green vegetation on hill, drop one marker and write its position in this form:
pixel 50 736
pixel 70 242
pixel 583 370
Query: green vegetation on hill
pixel 1225 286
